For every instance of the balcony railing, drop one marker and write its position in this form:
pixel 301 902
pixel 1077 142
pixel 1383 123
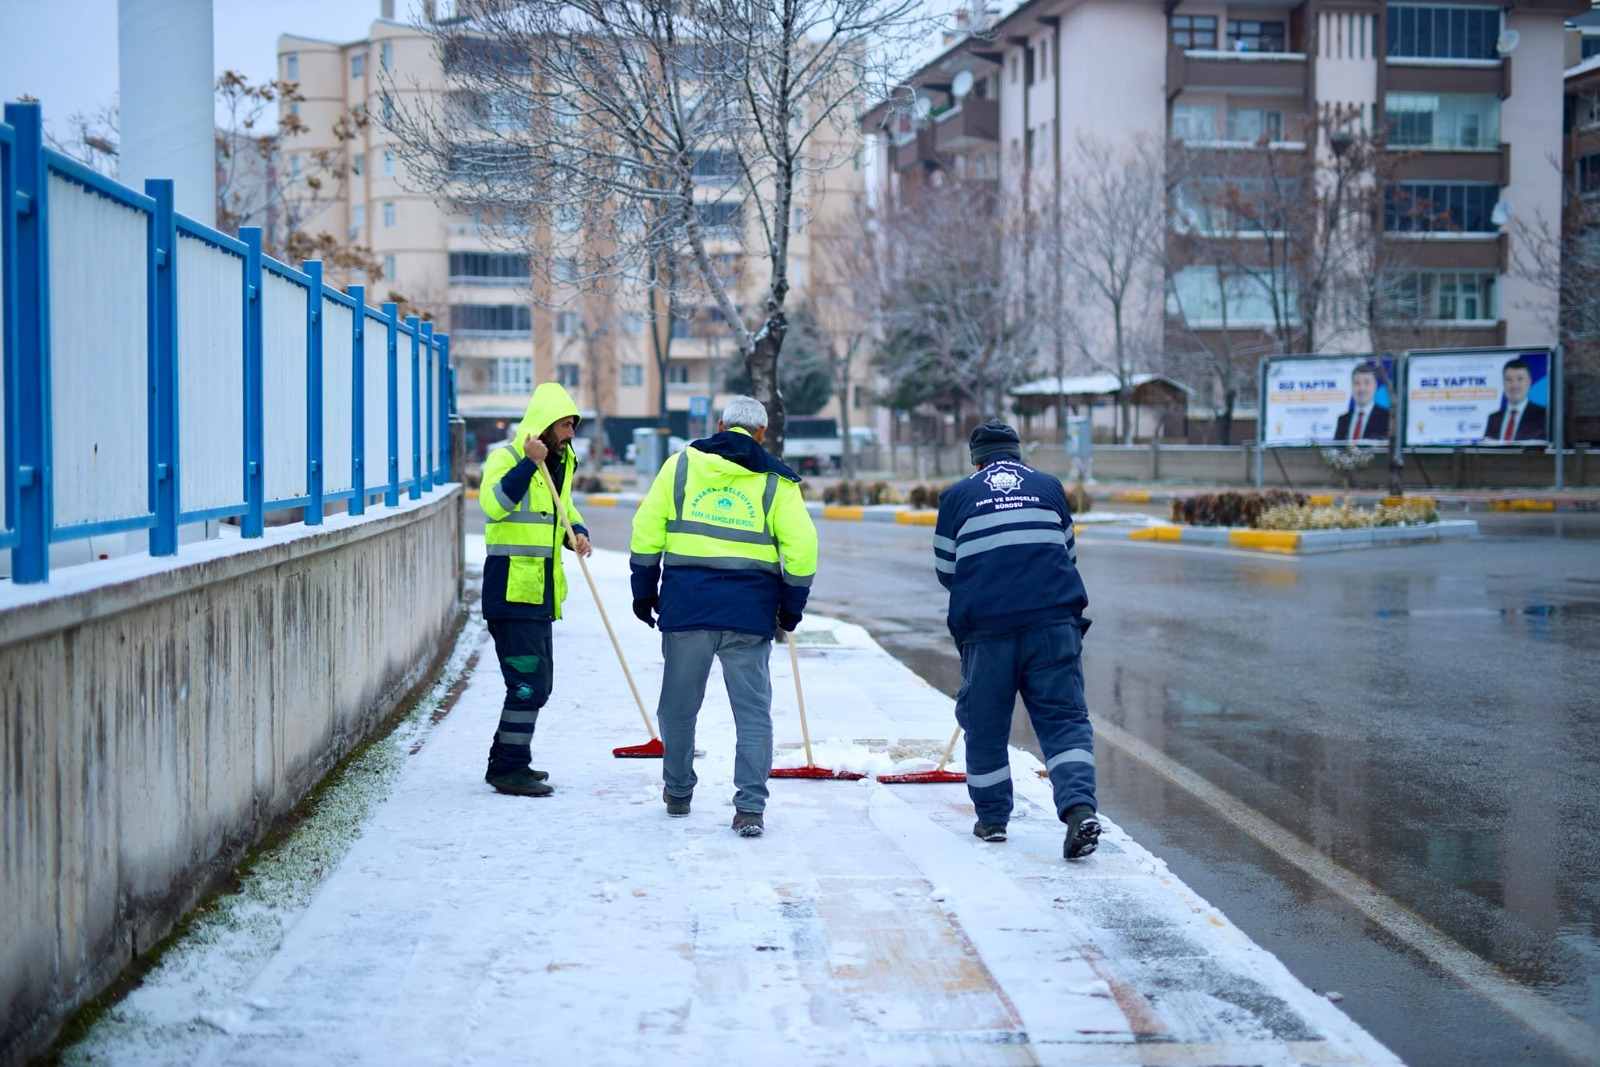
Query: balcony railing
pixel 914 150
pixel 1258 72
pixel 974 123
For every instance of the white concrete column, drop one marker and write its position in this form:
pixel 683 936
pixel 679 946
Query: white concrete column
pixel 165 82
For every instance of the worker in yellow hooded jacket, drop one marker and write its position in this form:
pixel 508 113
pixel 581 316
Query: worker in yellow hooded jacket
pixel 523 580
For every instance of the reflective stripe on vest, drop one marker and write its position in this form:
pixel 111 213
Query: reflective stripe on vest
pixel 520 550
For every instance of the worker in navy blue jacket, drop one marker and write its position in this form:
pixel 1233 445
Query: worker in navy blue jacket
pixel 1004 548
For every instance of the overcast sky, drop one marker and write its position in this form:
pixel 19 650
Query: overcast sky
pixel 65 51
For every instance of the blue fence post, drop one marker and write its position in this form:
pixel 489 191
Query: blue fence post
pixel 358 395
pixel 445 444
pixel 30 454
pixel 391 491
pixel 313 512
pixel 425 409
pixel 253 523
pixel 163 331
pixel 415 481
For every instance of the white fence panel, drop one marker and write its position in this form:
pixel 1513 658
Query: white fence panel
pixel 338 397
pixel 376 345
pixel 210 376
pixel 408 468
pixel 283 379
pixel 99 356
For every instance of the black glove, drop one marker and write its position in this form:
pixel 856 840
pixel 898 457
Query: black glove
pixel 645 608
pixel 789 620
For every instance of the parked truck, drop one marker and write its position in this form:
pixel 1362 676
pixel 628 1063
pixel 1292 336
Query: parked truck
pixel 813 444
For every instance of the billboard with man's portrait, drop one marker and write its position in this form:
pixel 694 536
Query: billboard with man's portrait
pixel 1323 400
pixel 1484 398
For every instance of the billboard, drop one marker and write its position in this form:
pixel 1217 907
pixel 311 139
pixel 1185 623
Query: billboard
pixel 1327 399
pixel 1485 398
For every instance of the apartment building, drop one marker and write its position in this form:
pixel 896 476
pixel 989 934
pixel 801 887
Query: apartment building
pixel 600 345
pixel 1465 97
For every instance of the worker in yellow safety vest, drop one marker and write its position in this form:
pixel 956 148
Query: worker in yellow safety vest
pixel 523 581
pixel 724 550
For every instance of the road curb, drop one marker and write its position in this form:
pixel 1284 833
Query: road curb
pixel 1300 542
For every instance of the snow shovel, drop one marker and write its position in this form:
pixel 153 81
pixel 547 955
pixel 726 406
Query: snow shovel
pixel 652 749
pixel 810 770
pixel 938 774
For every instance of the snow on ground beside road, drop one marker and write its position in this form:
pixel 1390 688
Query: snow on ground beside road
pixel 427 919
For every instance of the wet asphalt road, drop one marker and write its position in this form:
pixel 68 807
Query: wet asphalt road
pixel 1426 716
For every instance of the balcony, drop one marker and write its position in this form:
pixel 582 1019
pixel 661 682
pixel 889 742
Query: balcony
pixel 973 123
pixel 1471 76
pixel 1439 164
pixel 1280 73
pixel 914 150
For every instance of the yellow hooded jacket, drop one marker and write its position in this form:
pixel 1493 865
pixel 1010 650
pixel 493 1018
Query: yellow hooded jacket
pixel 524 533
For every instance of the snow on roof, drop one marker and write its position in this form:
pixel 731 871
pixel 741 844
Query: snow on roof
pixel 1089 385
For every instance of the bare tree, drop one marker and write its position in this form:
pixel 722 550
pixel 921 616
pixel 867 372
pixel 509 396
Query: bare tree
pixel 618 135
pixel 955 313
pixel 1110 241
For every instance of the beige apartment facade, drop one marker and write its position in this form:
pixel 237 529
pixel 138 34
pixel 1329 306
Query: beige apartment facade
pixel 1466 95
pixel 473 276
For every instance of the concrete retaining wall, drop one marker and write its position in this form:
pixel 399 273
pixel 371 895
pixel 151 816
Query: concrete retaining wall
pixel 156 718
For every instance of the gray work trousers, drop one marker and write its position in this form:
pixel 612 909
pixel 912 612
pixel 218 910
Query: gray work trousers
pixel 745 660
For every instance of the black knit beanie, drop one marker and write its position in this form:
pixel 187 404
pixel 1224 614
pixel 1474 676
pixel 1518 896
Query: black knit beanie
pixel 993 440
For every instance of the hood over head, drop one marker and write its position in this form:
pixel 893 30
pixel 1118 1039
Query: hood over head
pixel 550 403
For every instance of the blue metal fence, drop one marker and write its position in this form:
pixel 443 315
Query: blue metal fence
pixel 262 388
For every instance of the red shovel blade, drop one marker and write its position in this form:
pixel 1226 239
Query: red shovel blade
pixel 814 772
pixel 651 749
pixel 923 776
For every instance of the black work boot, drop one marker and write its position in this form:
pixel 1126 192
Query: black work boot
pixel 989 831
pixel 1083 832
pixel 521 782
pixel 748 823
pixel 677 807
pixel 538 776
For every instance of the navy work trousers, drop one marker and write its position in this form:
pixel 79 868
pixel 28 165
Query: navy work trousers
pixel 1043 664
pixel 523 646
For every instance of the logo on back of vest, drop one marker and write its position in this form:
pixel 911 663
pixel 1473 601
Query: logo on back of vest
pixel 725 506
pixel 1001 480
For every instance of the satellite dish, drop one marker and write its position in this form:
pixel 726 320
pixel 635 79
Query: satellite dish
pixel 1506 43
pixel 922 107
pixel 1501 213
pixel 961 84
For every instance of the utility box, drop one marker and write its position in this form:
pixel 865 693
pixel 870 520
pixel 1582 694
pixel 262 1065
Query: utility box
pixel 1080 444
pixel 650 449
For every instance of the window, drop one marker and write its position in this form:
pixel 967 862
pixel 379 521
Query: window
pixel 1194 122
pixel 388 215
pixel 1443 31
pixel 721 219
pixel 715 166
pixel 632 323
pixel 677 373
pixel 1441 296
pixel 680 331
pixel 488 268
pixel 566 269
pixel 358 64
pixel 1253 35
pixel 388 108
pixel 567 218
pixel 386 56
pixel 513 375
pixel 1443 120
pixel 388 163
pixel 291 67
pixel 566 324
pixel 294 165
pixel 1253 123
pixel 506 319
pixel 1591 46
pixel 1440 207
pixel 633 374
pixel 358 215
pixel 1199 292
pixel 1016 64
pixel 1194 31
pixel 567 374
pixel 1221 206
pixel 388 267
pixel 358 164
pixel 1586 171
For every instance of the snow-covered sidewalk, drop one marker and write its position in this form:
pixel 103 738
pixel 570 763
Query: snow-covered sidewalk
pixel 868 925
